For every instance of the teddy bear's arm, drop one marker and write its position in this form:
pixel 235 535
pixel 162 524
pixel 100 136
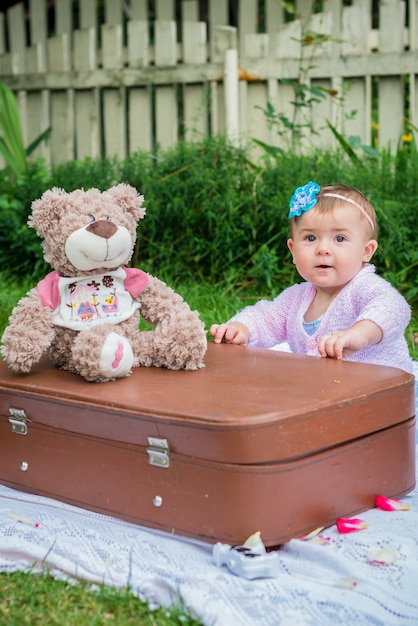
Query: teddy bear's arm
pixel 178 340
pixel 29 333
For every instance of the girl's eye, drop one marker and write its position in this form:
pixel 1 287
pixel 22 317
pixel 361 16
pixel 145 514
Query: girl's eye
pixel 91 218
pixel 310 237
pixel 340 238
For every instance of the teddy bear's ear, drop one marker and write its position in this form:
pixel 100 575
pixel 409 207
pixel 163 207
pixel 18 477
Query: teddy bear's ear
pixel 128 198
pixel 46 210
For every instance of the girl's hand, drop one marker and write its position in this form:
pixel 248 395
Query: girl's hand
pixel 235 332
pixel 347 342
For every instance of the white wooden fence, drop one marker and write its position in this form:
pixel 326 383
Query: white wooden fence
pixel 117 83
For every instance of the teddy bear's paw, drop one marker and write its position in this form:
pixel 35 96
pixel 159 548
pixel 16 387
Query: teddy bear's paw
pixel 19 365
pixel 20 360
pixel 116 358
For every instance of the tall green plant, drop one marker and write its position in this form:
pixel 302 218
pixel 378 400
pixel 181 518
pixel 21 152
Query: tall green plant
pixel 296 127
pixel 12 147
pixel 349 146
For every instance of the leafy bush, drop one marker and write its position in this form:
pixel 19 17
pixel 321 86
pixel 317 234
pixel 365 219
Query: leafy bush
pixel 99 173
pixel 214 215
pixel 20 248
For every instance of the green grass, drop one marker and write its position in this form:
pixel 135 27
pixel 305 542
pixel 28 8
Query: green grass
pixel 40 600
pixel 33 599
pixel 215 231
pixel 215 302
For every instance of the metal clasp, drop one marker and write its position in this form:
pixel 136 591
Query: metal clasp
pixel 19 421
pixel 158 452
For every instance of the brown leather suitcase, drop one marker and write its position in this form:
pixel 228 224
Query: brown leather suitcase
pixel 256 441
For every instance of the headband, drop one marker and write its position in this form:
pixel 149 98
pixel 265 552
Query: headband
pixel 305 198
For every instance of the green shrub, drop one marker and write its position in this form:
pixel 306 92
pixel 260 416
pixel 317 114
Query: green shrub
pixel 20 248
pixel 215 216
pixel 98 173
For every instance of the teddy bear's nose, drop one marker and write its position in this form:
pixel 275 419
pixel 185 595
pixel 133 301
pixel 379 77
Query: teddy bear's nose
pixel 102 228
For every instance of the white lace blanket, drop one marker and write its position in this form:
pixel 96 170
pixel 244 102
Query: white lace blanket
pixel 316 585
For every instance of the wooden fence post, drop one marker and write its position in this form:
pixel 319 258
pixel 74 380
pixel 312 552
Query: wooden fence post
pixel 231 95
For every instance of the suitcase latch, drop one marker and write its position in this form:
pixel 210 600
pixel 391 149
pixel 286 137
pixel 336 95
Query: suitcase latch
pixel 19 421
pixel 158 452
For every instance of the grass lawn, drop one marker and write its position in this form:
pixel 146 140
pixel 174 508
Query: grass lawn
pixel 34 599
pixel 40 600
pixel 216 303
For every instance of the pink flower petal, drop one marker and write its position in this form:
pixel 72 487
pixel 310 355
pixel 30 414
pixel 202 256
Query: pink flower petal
pixel 387 504
pixel 350 525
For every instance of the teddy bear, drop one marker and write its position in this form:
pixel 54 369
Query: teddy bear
pixel 85 313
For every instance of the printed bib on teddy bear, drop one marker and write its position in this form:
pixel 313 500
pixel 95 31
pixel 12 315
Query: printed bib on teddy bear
pixel 91 300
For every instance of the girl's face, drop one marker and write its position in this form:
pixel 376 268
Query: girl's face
pixel 330 248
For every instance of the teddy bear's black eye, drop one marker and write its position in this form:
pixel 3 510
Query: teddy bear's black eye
pixel 91 218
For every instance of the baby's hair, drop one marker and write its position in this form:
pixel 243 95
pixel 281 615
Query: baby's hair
pixel 332 195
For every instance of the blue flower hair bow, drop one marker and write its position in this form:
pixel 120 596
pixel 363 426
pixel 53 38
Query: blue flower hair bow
pixel 303 199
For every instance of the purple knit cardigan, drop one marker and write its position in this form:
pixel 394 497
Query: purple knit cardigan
pixel 366 297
